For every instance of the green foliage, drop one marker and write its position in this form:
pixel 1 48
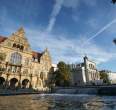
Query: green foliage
pixel 61 77
pixel 105 77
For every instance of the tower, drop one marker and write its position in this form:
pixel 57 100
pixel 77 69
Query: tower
pixel 85 66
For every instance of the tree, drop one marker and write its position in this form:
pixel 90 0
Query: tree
pixel 113 1
pixel 104 76
pixel 61 77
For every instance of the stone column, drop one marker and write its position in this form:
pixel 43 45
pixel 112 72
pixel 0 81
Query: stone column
pixel 30 85
pixel 7 82
pixel 19 82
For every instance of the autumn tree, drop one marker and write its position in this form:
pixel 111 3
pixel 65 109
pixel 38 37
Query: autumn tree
pixel 61 77
pixel 104 76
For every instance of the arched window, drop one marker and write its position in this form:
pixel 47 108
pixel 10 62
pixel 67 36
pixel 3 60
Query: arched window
pixel 16 58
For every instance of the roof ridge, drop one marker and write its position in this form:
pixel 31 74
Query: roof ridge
pixel 3 38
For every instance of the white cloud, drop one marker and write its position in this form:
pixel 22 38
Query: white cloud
pixel 64 49
pixel 68 50
pixel 61 48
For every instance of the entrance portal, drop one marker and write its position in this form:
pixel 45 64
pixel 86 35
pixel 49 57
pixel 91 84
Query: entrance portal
pixel 25 83
pixel 13 83
pixel 2 81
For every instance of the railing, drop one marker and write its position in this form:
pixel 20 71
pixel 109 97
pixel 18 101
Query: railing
pixel 87 86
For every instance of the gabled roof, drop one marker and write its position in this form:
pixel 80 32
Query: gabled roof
pixel 35 55
pixel 2 38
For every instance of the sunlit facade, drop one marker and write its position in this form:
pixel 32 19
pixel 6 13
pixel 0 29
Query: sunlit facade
pixel 85 73
pixel 20 66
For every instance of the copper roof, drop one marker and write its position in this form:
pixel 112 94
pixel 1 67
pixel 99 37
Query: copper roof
pixel 2 39
pixel 36 55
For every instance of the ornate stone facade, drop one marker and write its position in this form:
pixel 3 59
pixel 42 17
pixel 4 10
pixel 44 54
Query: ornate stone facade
pixel 91 72
pixel 85 73
pixel 20 66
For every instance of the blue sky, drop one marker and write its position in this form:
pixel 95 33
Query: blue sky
pixel 68 28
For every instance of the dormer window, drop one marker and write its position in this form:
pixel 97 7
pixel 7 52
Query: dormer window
pixel 14 45
pixel 18 46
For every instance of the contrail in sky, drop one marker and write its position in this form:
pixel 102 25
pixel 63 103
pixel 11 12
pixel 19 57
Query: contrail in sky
pixel 100 31
pixel 56 10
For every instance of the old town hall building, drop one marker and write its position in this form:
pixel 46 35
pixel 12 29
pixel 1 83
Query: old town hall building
pixel 20 66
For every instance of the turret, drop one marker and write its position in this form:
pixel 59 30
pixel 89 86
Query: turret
pixel 85 61
pixel 85 65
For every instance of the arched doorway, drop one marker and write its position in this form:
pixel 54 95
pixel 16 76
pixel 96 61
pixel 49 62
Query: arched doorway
pixel 2 81
pixel 13 83
pixel 25 83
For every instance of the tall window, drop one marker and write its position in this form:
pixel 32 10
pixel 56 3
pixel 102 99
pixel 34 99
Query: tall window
pixel 16 58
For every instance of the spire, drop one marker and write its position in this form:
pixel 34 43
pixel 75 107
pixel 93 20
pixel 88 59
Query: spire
pixel 86 57
pixel 20 32
pixel 46 50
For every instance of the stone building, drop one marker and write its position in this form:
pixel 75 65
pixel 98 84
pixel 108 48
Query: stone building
pixel 85 73
pixel 20 66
